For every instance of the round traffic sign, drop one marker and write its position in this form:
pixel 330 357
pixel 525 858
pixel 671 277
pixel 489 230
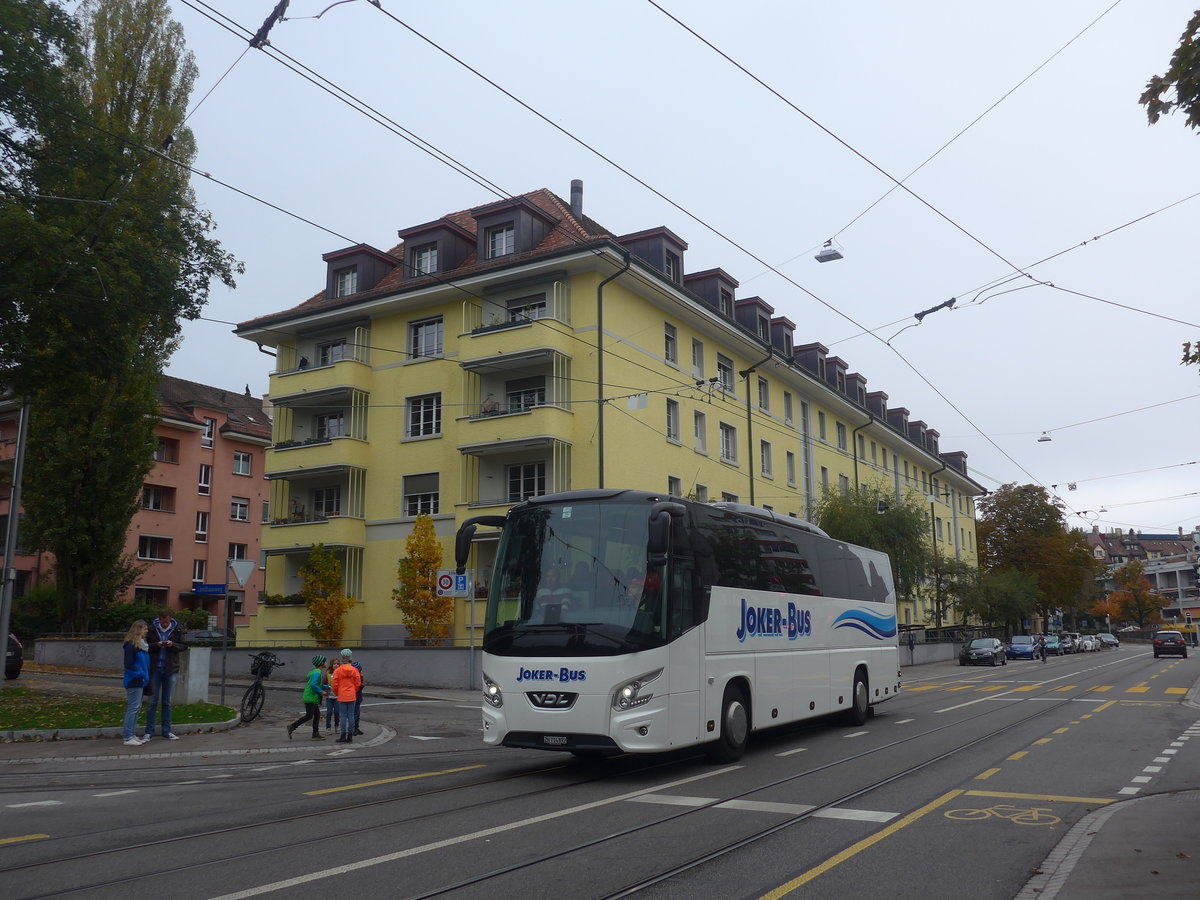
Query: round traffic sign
pixel 445 582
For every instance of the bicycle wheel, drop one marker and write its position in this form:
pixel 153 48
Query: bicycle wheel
pixel 1035 817
pixel 252 701
pixel 968 815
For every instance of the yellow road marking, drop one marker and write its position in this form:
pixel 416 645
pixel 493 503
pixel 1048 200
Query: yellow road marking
pixel 995 687
pixel 1102 689
pixel 1041 741
pixel 1086 716
pixel 367 784
pixel 924 687
pixel 23 837
pixel 1177 690
pixel 986 774
pixel 1103 706
pixel 854 849
pixel 1018 755
pixel 1061 730
pixel 1137 690
pixel 965 687
pixel 1031 687
pixel 1052 798
pixel 1065 688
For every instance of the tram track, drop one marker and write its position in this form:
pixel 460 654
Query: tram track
pixel 635 768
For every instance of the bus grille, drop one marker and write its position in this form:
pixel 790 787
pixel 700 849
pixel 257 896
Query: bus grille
pixel 552 699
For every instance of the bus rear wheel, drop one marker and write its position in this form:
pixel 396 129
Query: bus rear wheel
pixel 735 727
pixel 860 703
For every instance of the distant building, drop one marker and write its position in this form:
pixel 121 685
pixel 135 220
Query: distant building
pixel 519 348
pixel 202 504
pixel 1170 561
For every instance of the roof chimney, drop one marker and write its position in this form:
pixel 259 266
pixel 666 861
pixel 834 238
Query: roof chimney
pixel 577 197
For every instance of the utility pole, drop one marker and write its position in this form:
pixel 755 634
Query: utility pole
pixel 8 588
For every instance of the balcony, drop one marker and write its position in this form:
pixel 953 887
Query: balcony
pixel 338 451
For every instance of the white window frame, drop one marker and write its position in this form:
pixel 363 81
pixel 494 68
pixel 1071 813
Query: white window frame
pixel 201 527
pixel 700 432
pixel 765 460
pixel 725 372
pixel 425 259
pixel 327 426
pixel 840 428
pixel 204 483
pixel 160 543
pixel 728 443
pixel 526 475
pixel 424 416
pixel 697 358
pixel 237 551
pixel 327 501
pixel 791 468
pixel 673 423
pixel 674 486
pixel 415 502
pixel 787 407
pixel 330 352
pixel 426 338
pixel 239 509
pixel 764 394
pixel 199 570
pixel 670 343
pixel 243 462
pixel 501 240
pixel 345 281
pixel 210 429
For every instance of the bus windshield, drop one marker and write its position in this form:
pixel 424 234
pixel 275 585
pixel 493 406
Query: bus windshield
pixel 572 579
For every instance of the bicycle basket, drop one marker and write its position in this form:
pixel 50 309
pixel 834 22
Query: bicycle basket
pixel 262 665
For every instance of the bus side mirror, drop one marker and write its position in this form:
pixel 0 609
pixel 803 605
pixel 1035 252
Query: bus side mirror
pixel 659 537
pixel 462 541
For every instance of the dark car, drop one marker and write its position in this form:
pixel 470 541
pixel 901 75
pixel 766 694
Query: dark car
pixel 1108 640
pixel 1070 641
pixel 14 658
pixel 1022 646
pixel 982 651
pixel 1170 642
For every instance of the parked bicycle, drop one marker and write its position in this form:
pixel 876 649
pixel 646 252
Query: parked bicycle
pixel 260 667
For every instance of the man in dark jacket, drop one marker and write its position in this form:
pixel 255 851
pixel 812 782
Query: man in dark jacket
pixel 165 637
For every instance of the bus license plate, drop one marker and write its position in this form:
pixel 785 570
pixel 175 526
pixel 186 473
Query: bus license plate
pixel 556 739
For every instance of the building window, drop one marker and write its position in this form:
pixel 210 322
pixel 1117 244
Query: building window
pixel 166 450
pixel 674 486
pixel 425 338
pixel 725 372
pixel 241 462
pixel 697 358
pixel 158 498
pixel 526 309
pixel 728 443
pixel 791 468
pixel 345 281
pixel 501 240
pixel 875 454
pixel 421 495
pixel 672 267
pixel 199 567
pixel 701 493
pixel 330 352
pixel 821 425
pixel 210 427
pixel 764 394
pixel 425 415
pixel 239 509
pixel 156 597
pixel 787 407
pixel 266 511
pixel 673 421
pixel 329 425
pixel 824 479
pixel 670 343
pixel 327 502
pixel 727 497
pixel 764 329
pixel 843 485
pixel 204 485
pixel 424 259
pixel 841 435
pixel 522 394
pixel 862 448
pixel 155 548
pixel 764 454
pixel 726 303
pixel 700 432
pixel 201 528
pixel 526 480
pixel 237 551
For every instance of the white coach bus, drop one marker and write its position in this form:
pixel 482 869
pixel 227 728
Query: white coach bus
pixel 627 621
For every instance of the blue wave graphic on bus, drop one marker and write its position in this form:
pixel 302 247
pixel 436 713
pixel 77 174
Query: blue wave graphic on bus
pixel 878 627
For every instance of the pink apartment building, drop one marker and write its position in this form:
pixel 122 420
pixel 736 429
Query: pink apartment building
pixel 203 503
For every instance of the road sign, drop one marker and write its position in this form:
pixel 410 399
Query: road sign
pixel 451 584
pixel 208 590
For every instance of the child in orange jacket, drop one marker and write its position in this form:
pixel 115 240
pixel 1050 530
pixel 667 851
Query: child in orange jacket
pixel 346 683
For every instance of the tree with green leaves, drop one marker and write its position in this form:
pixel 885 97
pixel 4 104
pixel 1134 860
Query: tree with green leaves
pixel 1134 596
pixel 948 582
pixel 1003 598
pixel 324 593
pixel 103 253
pixel 427 616
pixel 870 516
pixel 1182 77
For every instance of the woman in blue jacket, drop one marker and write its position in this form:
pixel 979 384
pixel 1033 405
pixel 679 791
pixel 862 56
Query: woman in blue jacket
pixel 137 676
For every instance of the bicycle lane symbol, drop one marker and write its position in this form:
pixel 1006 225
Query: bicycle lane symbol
pixel 1015 814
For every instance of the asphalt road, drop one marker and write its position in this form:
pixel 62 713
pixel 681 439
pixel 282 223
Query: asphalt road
pixel 961 785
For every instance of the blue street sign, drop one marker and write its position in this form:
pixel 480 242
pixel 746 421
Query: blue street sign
pixel 208 590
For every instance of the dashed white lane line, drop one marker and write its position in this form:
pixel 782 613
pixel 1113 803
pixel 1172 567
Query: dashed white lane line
pixel 903 721
pixel 792 752
pixel 34 803
pixel 787 809
pixel 219 776
pixel 116 793
pixel 856 734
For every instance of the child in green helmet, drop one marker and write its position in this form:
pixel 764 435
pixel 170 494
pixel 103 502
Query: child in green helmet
pixel 314 690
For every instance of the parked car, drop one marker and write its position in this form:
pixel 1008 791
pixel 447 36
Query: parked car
pixel 1022 646
pixel 1087 643
pixel 1108 640
pixel 1070 641
pixel 14 658
pixel 983 651
pixel 1170 642
pixel 1053 645
pixel 203 638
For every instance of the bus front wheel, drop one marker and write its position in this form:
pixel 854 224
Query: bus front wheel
pixel 735 727
pixel 859 700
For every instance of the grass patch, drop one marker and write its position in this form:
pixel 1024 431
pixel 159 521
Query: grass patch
pixel 23 709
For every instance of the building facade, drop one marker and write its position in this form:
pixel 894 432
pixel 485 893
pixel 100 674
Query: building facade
pixel 202 503
pixel 1170 561
pixel 519 348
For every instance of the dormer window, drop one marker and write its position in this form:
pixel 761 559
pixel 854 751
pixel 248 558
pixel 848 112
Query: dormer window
pixel 726 303
pixel 501 240
pixel 345 281
pixel 673 267
pixel 425 259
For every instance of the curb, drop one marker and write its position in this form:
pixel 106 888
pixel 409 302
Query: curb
pixel 75 734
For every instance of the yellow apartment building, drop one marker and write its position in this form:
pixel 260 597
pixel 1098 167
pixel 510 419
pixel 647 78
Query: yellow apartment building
pixel 519 348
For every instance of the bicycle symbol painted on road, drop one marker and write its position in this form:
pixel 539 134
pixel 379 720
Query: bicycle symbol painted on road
pixel 1015 814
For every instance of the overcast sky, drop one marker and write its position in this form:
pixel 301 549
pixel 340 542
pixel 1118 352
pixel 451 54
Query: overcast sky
pixel 1062 160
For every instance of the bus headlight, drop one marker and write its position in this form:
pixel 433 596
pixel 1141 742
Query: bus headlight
pixel 634 693
pixel 491 692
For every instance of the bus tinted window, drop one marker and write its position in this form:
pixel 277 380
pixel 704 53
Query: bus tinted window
pixel 759 555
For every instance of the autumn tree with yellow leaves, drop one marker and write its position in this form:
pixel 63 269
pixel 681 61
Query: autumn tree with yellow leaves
pixel 427 616
pixel 324 595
